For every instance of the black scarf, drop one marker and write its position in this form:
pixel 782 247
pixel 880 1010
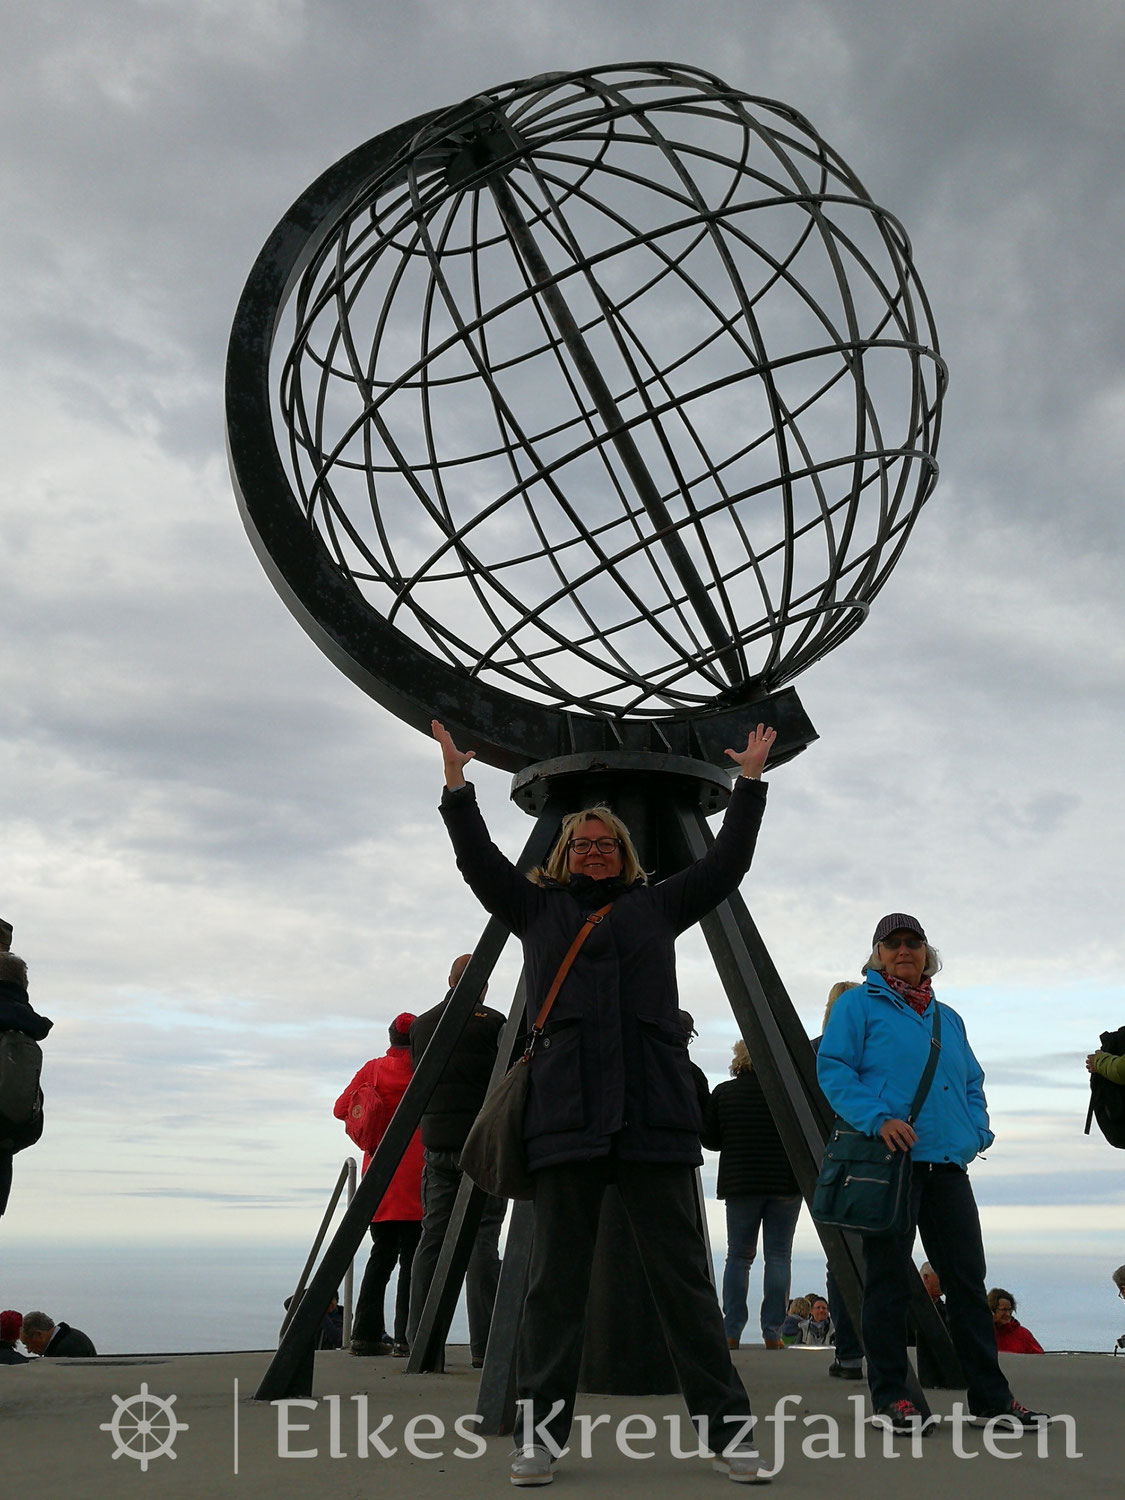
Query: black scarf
pixel 590 893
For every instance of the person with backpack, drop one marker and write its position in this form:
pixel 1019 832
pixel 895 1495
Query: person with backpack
pixel 1108 1065
pixel 21 1063
pixel 1106 1068
pixel 366 1107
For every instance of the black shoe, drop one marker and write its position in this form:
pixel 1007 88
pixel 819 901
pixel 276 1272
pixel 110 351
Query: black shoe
pixel 400 1348
pixel 366 1347
pixel 901 1416
pixel 845 1372
pixel 1017 1418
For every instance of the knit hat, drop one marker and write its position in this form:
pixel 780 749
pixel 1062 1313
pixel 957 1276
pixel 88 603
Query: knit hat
pixel 10 1325
pixel 399 1029
pixel 897 922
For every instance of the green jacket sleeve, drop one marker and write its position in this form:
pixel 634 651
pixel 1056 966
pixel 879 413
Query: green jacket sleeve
pixel 1110 1067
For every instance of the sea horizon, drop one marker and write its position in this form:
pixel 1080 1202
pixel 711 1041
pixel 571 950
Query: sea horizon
pixel 211 1296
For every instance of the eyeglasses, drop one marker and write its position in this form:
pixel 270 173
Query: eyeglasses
pixel 903 940
pixel 603 846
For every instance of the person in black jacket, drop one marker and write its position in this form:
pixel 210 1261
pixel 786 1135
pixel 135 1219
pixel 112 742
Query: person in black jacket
pixel 450 1112
pixel 16 1014
pixel 43 1336
pixel 611 1096
pixel 761 1195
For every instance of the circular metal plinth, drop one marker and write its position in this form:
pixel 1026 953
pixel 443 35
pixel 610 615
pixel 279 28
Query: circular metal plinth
pixel 577 780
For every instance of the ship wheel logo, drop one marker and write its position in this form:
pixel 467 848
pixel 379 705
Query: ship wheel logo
pixel 144 1427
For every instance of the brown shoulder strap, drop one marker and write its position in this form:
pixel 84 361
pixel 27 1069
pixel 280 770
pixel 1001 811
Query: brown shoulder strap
pixel 564 968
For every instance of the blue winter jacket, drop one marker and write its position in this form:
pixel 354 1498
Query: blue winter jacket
pixel 871 1060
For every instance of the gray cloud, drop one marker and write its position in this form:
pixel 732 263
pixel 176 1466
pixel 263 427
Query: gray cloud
pixel 224 862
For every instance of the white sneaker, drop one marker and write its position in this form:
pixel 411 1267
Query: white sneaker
pixel 744 1466
pixel 531 1465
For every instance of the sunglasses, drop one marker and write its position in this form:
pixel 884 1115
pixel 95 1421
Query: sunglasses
pixel 903 940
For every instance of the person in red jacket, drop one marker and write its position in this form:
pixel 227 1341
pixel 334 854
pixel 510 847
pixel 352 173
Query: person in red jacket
pixel 1011 1336
pixel 373 1096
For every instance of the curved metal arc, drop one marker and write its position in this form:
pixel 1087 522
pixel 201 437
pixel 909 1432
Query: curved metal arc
pixel 630 513
pixel 614 322
pixel 618 433
pixel 455 538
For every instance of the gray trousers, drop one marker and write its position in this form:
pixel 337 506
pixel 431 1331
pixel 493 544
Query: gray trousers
pixel 659 1199
pixel 441 1177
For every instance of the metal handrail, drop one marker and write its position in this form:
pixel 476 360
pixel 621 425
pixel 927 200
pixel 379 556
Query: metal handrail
pixel 347 1176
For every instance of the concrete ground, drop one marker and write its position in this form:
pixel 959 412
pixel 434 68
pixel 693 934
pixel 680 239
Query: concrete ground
pixel 376 1431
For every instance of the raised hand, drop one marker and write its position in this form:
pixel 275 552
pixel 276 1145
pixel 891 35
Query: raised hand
pixel 752 760
pixel 455 760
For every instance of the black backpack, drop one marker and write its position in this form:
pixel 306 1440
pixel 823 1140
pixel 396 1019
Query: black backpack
pixel 21 1098
pixel 1107 1100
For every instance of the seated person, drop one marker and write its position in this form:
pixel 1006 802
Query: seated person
pixel 814 1328
pixel 1011 1336
pixel 50 1340
pixel 10 1324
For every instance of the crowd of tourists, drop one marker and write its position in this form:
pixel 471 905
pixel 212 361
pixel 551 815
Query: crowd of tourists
pixel 612 1098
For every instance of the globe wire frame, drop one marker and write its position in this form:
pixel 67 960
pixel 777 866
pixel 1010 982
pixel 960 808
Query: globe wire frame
pixel 508 729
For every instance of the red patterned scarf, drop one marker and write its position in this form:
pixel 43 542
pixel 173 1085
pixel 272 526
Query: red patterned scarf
pixel 917 996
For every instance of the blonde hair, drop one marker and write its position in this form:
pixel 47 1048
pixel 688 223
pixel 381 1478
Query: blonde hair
pixel 841 987
pixel 800 1307
pixel 556 869
pixel 933 962
pixel 740 1063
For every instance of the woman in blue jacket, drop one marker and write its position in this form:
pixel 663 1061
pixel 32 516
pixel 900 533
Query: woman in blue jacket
pixel 869 1064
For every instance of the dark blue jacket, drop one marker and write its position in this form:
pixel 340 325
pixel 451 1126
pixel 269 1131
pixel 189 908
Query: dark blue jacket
pixel 613 1061
pixel 739 1126
pixel 69 1343
pixel 16 1013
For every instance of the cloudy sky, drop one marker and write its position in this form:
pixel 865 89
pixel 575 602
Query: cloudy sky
pixel 223 862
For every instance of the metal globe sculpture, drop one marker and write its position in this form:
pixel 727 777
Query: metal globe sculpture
pixel 605 399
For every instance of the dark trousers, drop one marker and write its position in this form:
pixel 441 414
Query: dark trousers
pixel 944 1210
pixel 441 1177
pixel 659 1199
pixel 5 1178
pixel 849 1350
pixel 391 1240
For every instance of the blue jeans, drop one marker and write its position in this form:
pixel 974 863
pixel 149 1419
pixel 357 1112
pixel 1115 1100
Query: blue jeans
pixel 777 1219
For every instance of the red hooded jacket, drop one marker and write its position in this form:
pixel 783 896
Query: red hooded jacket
pixel 388 1076
pixel 1014 1338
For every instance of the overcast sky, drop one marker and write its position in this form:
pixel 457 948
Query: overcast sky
pixel 224 863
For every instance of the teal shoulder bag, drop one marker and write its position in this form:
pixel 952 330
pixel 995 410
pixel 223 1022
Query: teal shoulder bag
pixel 864 1185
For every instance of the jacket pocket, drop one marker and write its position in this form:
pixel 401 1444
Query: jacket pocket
pixel 556 1099
pixel 671 1102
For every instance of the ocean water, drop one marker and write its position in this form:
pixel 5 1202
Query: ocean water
pixel 178 1298
pixel 166 1298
